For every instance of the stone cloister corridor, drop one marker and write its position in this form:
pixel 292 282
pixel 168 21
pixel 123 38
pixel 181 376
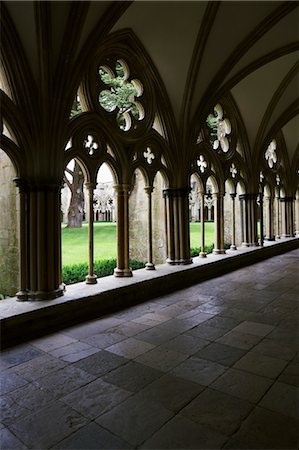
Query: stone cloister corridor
pixel 193 109
pixel 211 366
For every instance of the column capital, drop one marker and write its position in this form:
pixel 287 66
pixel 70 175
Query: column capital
pixel 149 189
pixel 90 185
pixel 21 183
pixel 233 196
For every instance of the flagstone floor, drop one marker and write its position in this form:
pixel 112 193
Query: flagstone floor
pixel 212 366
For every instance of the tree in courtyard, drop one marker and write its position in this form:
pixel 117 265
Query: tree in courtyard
pixel 76 207
pixel 75 183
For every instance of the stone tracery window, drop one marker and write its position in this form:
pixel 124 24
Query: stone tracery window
pixel 202 163
pixel 233 170
pixel 91 145
pixel 270 154
pixel 149 155
pixel 121 94
pixel 220 129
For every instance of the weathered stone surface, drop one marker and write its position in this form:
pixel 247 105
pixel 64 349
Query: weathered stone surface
pixel 9 245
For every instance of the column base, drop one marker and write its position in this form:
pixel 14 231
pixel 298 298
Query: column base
pixel 122 272
pixel 218 252
pixel 202 255
pixel 269 238
pixel 172 262
pixel 150 266
pixel 277 237
pixel 233 247
pixel 185 261
pixel 41 295
pixel 91 279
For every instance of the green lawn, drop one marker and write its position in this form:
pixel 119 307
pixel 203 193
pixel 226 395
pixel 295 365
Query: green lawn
pixel 75 241
pixel 195 234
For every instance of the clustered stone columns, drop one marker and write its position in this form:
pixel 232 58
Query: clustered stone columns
pixel 91 278
pixel 149 265
pixel 297 215
pixel 233 244
pixel 249 219
pixel 177 221
pixel 269 219
pixel 277 215
pixel 122 221
pixel 40 241
pixel 219 224
pixel 287 216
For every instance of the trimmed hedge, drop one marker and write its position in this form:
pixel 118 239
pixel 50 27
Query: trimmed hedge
pixel 77 272
pixel 195 251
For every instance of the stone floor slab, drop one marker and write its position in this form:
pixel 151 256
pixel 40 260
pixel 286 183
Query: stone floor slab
pixel 255 328
pixel 182 433
pixel 185 344
pixel 130 348
pixel 222 354
pixel 243 385
pixel 53 342
pixel 101 363
pixel 291 374
pixel 132 376
pixel 282 398
pixel 275 349
pixel 13 357
pixel 199 370
pixel 48 426
pixel 265 429
pixel 64 381
pixel 39 367
pixel 96 398
pixel 92 437
pixel 239 340
pixel 263 365
pixel 163 360
pixel 135 420
pixel 9 381
pixel 74 351
pixel 172 392
pixel 218 411
pixel 8 441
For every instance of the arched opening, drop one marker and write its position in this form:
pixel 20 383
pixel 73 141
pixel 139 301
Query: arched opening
pixel 138 218
pixel 9 228
pixel 74 226
pixel 159 220
pixel 104 209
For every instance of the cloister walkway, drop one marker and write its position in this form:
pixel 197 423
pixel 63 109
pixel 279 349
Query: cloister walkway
pixel 214 365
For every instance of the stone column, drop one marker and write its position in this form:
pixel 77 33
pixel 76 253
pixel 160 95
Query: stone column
pixel 202 223
pixel 233 244
pixel 22 294
pixel 122 197
pixel 269 219
pixel 287 217
pixel 184 229
pixel 149 265
pixel 218 224
pixel 249 219
pixel 91 278
pixel 297 215
pixel 176 227
pixel 261 202
pixel 40 242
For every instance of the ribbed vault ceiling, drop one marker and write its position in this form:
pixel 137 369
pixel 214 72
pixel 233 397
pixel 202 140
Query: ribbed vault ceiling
pixel 247 49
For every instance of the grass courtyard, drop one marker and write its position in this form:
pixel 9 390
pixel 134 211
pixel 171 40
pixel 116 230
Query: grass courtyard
pixel 75 241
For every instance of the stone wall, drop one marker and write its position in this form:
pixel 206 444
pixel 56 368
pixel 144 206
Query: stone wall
pixel 9 245
pixel 138 224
